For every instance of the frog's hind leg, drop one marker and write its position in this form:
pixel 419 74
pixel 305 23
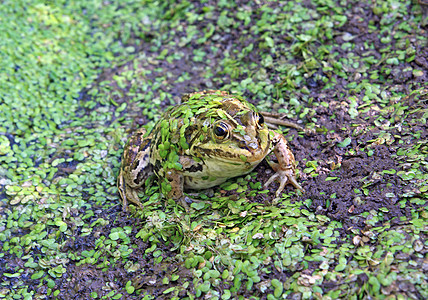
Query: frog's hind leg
pixel 127 194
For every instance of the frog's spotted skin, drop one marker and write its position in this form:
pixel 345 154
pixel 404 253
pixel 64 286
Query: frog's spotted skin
pixel 209 138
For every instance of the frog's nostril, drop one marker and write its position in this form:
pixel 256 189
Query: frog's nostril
pixel 243 145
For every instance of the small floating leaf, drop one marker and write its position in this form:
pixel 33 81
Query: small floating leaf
pixel 344 143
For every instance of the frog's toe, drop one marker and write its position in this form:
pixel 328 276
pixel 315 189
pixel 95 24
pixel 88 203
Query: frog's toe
pixel 294 182
pixel 184 202
pixel 271 179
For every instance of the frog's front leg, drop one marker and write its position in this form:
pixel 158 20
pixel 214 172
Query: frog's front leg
pixel 285 169
pixel 176 181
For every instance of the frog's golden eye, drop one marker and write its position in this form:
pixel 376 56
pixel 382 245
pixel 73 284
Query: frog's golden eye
pixel 260 120
pixel 221 130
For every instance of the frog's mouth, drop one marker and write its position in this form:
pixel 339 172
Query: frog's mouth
pixel 238 151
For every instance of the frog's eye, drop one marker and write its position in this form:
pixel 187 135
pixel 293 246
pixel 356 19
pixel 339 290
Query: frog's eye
pixel 260 120
pixel 221 130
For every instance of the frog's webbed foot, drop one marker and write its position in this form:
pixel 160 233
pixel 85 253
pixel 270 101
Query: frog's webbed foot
pixel 130 195
pixel 283 177
pixel 127 193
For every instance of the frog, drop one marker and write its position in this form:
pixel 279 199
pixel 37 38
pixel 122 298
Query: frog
pixel 210 137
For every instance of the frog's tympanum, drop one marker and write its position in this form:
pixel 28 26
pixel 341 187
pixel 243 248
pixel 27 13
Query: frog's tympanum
pixel 209 138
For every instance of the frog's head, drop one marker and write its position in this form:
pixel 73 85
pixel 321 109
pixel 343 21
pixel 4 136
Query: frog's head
pixel 231 131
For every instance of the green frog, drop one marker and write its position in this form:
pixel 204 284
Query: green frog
pixel 210 137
